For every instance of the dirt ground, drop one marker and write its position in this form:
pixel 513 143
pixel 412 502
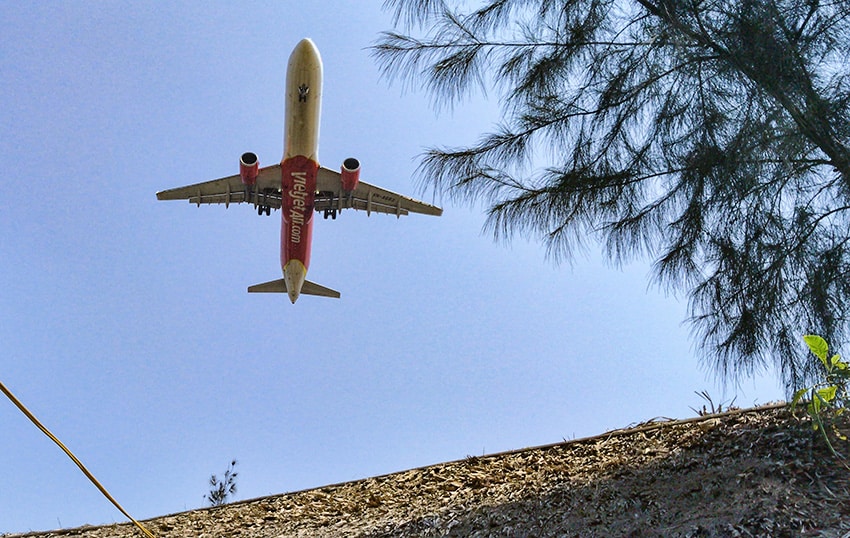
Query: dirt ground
pixel 745 473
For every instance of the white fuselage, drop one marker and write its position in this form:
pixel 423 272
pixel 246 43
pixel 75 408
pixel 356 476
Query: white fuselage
pixel 303 102
pixel 300 163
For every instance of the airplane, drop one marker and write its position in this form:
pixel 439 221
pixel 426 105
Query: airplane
pixel 299 186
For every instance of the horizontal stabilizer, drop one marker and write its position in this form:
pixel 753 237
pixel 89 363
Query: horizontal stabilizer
pixel 279 286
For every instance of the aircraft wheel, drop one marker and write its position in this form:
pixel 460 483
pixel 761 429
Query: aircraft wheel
pixel 268 210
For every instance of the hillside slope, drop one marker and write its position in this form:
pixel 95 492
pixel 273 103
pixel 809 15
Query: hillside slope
pixel 757 472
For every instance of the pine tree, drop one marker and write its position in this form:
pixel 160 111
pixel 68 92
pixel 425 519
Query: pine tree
pixel 222 490
pixel 708 135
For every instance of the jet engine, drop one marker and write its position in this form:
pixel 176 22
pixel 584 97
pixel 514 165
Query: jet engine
pixel 249 168
pixel 350 172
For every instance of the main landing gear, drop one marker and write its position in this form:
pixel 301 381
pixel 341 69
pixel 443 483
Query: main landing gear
pixel 259 199
pixel 330 213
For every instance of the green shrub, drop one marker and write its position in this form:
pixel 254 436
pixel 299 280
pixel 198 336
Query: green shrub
pixel 827 399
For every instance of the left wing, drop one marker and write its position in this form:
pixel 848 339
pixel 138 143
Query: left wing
pixel 230 190
pixel 365 197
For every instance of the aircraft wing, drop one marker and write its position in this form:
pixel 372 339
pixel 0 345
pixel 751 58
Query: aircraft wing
pixel 365 197
pixel 230 190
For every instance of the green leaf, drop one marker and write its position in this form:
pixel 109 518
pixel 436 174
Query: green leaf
pixel 832 361
pixel 797 397
pixel 827 394
pixel 818 346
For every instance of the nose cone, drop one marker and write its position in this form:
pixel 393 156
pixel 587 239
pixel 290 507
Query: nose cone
pixel 306 49
pixel 294 274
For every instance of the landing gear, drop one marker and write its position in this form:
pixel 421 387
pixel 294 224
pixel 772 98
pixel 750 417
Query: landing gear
pixel 330 213
pixel 261 198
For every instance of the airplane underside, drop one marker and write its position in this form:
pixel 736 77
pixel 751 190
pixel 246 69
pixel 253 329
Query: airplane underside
pixel 299 186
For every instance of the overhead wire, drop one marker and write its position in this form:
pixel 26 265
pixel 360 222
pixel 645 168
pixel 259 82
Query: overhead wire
pixel 79 464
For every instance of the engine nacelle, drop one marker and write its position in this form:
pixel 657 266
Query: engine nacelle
pixel 350 172
pixel 249 168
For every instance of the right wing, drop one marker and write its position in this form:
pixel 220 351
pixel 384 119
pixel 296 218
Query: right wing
pixel 365 197
pixel 231 190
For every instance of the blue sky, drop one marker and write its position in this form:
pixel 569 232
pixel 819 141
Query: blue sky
pixel 126 327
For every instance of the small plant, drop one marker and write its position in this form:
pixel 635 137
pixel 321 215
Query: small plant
pixel 705 411
pixel 222 489
pixel 826 399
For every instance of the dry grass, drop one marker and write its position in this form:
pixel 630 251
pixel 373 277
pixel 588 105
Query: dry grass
pixel 757 472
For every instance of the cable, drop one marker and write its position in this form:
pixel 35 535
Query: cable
pixel 82 467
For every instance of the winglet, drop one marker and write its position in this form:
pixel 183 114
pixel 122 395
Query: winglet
pixel 279 286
